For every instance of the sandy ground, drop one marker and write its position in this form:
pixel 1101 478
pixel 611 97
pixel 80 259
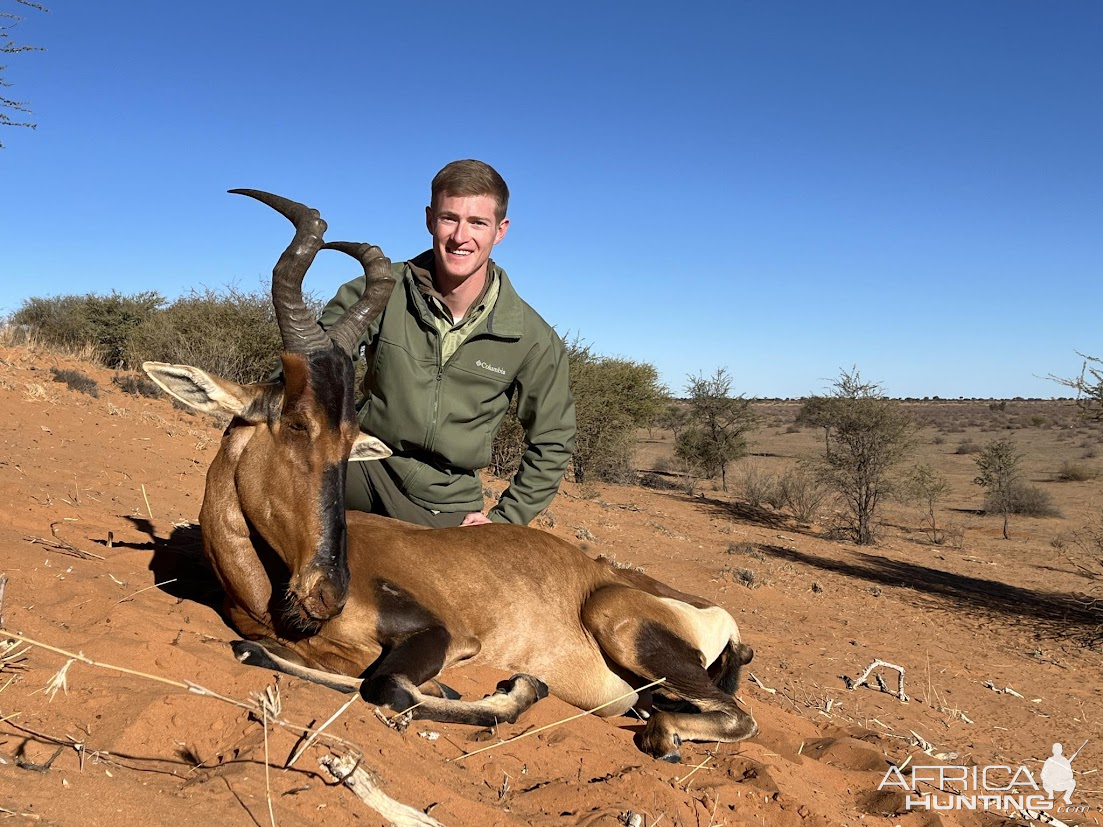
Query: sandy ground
pixel 100 549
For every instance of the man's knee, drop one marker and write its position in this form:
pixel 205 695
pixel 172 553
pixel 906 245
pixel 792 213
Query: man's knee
pixel 358 489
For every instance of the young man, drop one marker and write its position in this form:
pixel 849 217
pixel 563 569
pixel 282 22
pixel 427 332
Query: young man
pixel 454 345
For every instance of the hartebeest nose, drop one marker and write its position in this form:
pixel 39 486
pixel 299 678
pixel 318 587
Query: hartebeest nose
pixel 321 593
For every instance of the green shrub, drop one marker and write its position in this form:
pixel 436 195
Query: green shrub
pixel 137 385
pixel 1076 472
pixel 968 446
pixel 103 323
pixel 803 493
pixel 747 578
pixel 232 334
pixel 57 321
pixel 613 397
pixel 658 482
pixel 866 435
pixel 508 446
pixel 1025 500
pixel 718 424
pixel 756 483
pixel 112 319
pixel 77 381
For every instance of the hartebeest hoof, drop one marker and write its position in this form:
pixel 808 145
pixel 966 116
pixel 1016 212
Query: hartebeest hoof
pixel 537 686
pixel 659 740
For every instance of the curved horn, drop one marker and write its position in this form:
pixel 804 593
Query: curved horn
pixel 298 327
pixel 379 282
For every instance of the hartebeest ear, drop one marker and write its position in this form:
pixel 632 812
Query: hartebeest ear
pixel 200 390
pixel 368 447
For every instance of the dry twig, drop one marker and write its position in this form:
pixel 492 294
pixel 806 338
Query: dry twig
pixel 357 779
pixel 754 679
pixel 309 741
pixel 62 547
pixel 864 678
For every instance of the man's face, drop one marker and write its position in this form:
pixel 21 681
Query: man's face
pixel 464 229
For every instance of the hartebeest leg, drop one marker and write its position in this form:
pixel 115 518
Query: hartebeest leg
pixel 655 638
pixel 268 654
pixel 396 679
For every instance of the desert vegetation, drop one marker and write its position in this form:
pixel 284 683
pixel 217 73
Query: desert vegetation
pixel 832 462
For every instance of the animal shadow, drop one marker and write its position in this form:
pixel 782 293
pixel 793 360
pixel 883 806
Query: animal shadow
pixel 178 565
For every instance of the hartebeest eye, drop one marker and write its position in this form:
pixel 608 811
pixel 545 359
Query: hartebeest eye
pixel 296 425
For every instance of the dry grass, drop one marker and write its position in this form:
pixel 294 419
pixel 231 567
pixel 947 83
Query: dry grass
pixel 34 392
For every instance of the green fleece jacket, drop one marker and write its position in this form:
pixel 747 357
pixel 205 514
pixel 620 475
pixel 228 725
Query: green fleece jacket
pixel 440 417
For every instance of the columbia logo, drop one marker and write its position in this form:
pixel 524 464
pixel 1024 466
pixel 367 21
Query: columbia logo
pixel 491 368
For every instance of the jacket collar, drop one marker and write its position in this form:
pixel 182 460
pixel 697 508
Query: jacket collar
pixel 506 317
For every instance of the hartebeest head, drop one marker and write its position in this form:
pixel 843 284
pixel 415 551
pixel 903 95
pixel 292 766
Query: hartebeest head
pixel 281 469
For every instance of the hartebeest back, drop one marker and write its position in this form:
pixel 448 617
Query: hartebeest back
pixel 365 603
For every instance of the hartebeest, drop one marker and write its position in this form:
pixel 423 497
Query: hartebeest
pixel 361 602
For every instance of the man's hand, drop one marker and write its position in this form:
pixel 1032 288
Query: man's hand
pixel 475 518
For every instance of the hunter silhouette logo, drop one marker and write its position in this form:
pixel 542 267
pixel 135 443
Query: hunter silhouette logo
pixel 1057 774
pixel 994 787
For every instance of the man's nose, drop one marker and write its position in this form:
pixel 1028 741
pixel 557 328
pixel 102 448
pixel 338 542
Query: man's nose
pixel 461 232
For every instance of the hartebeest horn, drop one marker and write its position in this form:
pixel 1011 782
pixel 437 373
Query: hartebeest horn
pixel 379 282
pixel 298 326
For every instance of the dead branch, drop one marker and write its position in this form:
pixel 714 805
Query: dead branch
pixel 1007 690
pixel 61 546
pixel 754 679
pixel 23 763
pixel 863 679
pixel 357 779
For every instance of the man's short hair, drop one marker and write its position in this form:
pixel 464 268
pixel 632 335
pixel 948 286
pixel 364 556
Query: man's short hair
pixel 470 177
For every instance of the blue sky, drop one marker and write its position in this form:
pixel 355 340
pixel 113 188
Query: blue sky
pixel 783 189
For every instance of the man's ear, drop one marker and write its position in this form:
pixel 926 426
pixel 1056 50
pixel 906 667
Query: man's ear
pixel 368 447
pixel 200 390
pixel 503 225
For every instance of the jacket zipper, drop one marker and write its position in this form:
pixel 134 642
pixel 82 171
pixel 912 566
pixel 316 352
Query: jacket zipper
pixel 431 439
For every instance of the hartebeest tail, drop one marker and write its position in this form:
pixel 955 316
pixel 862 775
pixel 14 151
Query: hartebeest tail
pixel 365 603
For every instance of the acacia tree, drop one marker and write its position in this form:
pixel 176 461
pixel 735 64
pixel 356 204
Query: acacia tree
pixel 8 21
pixel 999 475
pixel 1088 386
pixel 866 435
pixel 715 434
pixel 672 417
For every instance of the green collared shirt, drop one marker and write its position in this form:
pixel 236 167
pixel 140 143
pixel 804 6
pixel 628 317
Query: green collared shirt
pixel 453 331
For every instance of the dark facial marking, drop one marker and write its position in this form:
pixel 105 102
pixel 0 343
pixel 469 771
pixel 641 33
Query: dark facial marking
pixel 332 380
